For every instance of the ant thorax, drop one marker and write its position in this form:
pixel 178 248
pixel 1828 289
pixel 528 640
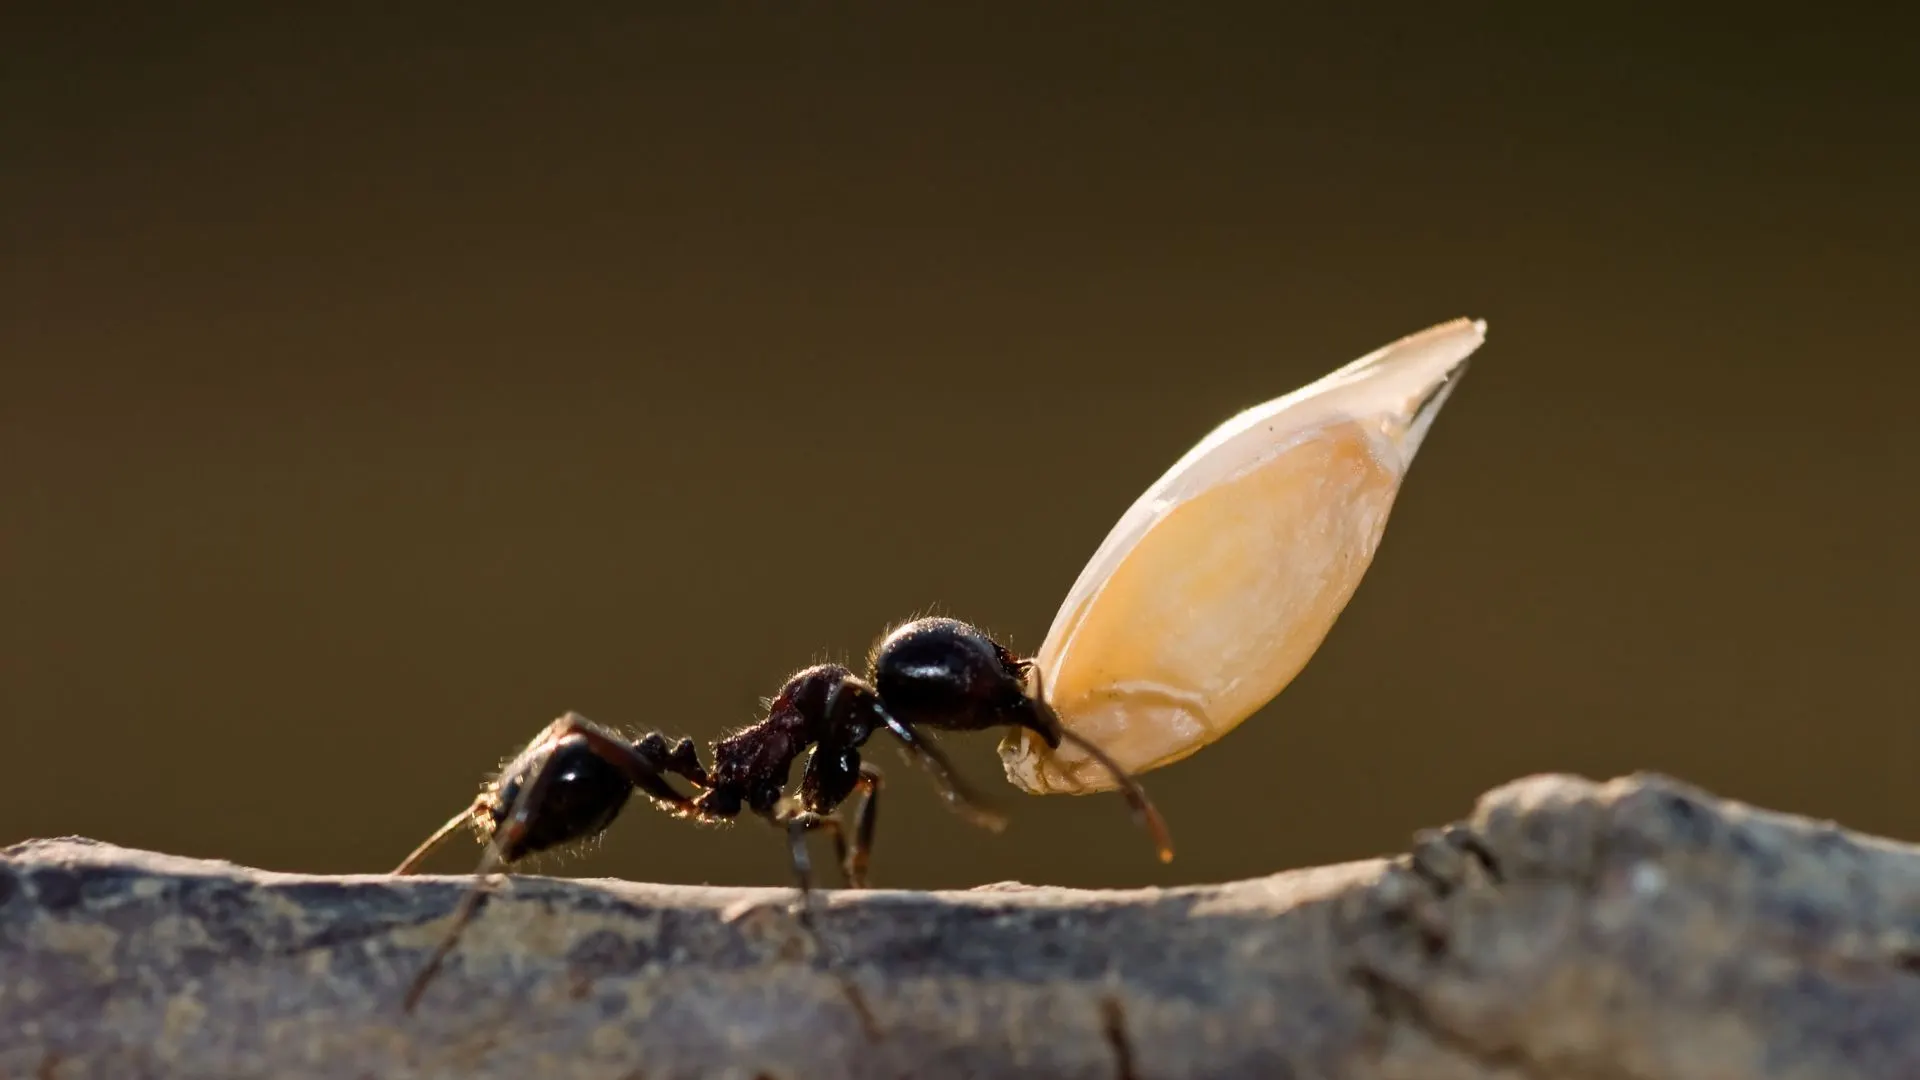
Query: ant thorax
pixel 825 708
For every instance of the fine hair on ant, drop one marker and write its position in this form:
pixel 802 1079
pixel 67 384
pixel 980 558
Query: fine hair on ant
pixel 932 674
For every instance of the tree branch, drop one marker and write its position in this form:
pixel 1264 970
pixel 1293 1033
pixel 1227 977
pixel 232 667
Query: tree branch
pixel 1639 928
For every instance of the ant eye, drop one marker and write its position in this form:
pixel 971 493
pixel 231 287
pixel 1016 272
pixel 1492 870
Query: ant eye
pixel 1217 586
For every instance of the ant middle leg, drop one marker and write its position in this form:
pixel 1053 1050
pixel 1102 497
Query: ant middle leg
pixel 854 861
pixel 798 824
pixel 853 857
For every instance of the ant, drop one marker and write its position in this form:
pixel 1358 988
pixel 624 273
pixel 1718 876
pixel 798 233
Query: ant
pixel 573 779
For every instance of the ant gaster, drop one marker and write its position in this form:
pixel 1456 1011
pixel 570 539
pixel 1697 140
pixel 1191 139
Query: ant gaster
pixel 931 674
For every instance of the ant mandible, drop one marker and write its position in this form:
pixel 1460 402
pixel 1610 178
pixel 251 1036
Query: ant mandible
pixel 573 779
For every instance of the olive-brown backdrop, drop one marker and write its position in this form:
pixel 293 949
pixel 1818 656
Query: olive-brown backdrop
pixel 376 390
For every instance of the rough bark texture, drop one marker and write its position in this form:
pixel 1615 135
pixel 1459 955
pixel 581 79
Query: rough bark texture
pixel 1639 928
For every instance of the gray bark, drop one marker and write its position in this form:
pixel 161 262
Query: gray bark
pixel 1639 928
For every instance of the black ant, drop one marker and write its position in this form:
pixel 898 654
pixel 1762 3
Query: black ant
pixel 930 674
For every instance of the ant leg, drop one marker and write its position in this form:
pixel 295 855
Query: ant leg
pixel 853 856
pixel 412 862
pixel 955 791
pixel 512 829
pixel 642 763
pixel 853 861
pixel 799 823
pixel 1043 720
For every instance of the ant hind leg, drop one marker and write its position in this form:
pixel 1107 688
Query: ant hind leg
pixel 440 836
pixel 642 764
pixel 512 829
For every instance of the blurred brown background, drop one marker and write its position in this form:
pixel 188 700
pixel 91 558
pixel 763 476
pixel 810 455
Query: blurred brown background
pixel 373 391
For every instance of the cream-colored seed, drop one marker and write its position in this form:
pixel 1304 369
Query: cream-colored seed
pixel 1219 584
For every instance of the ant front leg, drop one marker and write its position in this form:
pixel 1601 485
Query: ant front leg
pixel 833 775
pixel 959 797
pixel 642 764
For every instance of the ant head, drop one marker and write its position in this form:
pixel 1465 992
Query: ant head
pixel 584 795
pixel 949 674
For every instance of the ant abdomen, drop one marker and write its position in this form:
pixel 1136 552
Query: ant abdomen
pixel 584 795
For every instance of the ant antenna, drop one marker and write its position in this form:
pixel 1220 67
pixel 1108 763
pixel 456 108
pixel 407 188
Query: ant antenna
pixel 1143 808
